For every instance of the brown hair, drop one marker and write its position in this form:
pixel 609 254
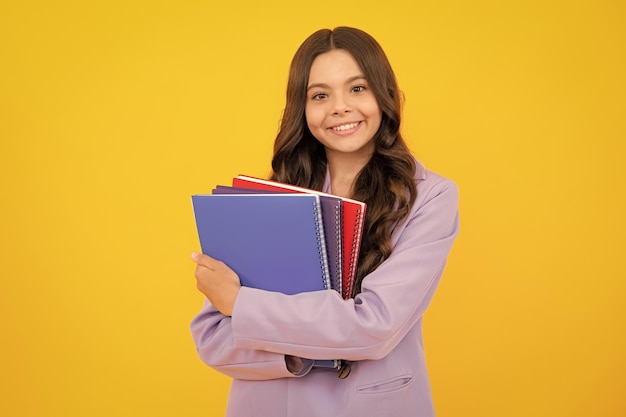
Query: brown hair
pixel 386 183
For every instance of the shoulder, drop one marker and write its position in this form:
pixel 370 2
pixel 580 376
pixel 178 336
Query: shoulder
pixel 435 214
pixel 432 185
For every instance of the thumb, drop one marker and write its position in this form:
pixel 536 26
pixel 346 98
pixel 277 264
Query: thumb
pixel 196 257
pixel 203 260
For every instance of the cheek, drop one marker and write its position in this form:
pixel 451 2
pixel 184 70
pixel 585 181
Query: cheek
pixel 315 124
pixel 376 114
pixel 313 118
pixel 373 109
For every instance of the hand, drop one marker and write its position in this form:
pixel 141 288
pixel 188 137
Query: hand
pixel 217 282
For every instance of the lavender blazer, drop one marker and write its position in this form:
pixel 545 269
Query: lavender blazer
pixel 380 329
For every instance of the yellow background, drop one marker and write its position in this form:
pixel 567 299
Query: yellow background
pixel 113 113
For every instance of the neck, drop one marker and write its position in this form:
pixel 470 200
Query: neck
pixel 343 172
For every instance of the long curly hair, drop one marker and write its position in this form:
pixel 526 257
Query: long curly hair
pixel 387 182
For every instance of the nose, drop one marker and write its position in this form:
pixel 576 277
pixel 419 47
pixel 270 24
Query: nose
pixel 341 105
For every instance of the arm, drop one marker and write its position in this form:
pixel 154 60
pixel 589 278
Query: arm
pixel 321 325
pixel 213 336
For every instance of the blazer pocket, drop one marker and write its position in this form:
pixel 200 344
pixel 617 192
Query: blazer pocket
pixel 389 385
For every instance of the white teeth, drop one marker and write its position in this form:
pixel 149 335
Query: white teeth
pixel 345 127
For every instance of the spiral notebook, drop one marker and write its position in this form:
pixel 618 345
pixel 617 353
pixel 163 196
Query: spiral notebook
pixel 353 217
pixel 331 218
pixel 273 242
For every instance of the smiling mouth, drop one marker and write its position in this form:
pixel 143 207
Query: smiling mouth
pixel 345 127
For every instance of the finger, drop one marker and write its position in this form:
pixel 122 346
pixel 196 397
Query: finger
pixel 203 260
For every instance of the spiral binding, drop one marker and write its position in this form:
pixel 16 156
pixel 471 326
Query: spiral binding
pixel 321 248
pixel 339 254
pixel 353 254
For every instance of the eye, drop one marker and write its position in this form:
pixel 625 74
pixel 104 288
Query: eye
pixel 358 88
pixel 319 96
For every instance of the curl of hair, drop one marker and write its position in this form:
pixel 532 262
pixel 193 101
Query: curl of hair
pixel 387 182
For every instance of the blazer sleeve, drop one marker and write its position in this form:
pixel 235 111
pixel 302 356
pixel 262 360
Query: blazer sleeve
pixel 213 337
pixel 321 325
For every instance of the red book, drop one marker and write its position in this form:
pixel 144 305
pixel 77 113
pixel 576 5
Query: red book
pixel 353 216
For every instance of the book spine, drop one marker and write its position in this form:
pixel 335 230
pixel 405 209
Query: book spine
pixel 321 245
pixel 354 253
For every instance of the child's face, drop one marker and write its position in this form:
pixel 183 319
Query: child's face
pixel 341 110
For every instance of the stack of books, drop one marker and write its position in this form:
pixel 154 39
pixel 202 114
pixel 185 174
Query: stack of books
pixel 279 237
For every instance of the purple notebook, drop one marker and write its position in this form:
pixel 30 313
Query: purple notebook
pixel 273 242
pixel 331 218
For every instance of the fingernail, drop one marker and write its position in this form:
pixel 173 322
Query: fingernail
pixel 194 255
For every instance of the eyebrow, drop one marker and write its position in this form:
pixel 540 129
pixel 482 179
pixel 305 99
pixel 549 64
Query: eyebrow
pixel 348 81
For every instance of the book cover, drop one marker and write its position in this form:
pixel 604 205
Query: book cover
pixel 353 217
pixel 273 242
pixel 332 220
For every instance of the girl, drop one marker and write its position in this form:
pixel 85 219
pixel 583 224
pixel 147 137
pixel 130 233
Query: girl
pixel 339 134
